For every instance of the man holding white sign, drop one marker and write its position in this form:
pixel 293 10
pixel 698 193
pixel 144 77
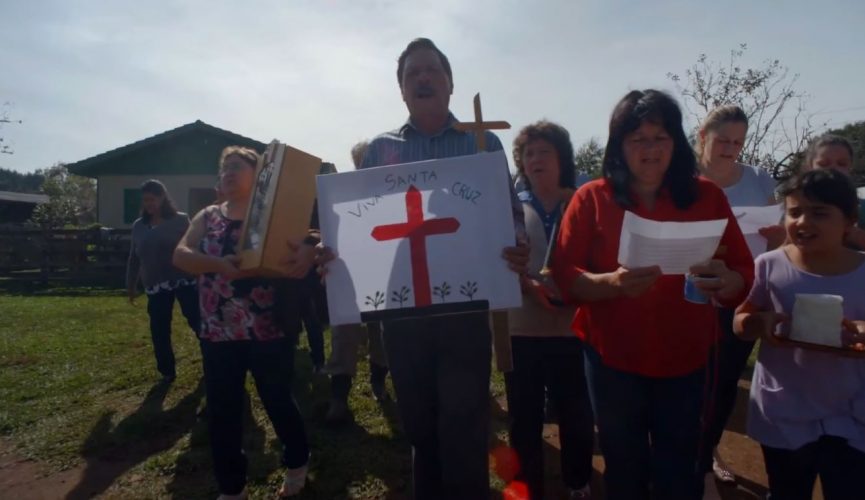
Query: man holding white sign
pixel 440 364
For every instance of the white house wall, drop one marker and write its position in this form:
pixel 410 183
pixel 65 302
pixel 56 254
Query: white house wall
pixel 111 189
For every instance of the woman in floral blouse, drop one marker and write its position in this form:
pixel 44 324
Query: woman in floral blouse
pixel 249 323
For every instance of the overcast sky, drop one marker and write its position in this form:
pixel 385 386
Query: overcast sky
pixel 89 76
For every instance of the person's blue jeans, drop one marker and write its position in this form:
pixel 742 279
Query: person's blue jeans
pixel 160 308
pixel 649 431
pixel 555 364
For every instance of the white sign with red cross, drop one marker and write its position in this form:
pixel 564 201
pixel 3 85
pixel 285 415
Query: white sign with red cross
pixel 418 239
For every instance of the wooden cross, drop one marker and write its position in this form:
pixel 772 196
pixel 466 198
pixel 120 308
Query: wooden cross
pixel 479 126
pixel 500 329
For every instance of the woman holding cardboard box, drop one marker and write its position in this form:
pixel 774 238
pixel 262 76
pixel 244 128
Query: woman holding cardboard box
pixel 249 323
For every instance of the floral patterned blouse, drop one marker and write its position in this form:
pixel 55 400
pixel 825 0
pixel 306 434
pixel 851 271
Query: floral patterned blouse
pixel 233 309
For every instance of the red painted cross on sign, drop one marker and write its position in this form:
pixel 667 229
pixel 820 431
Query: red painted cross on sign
pixel 416 229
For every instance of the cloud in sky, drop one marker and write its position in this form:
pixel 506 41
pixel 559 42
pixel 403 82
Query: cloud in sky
pixel 90 76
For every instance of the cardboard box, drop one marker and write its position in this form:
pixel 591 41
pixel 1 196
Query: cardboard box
pixel 279 209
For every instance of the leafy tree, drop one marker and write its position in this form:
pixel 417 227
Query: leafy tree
pixel 72 199
pixel 11 180
pixel 779 126
pixel 589 158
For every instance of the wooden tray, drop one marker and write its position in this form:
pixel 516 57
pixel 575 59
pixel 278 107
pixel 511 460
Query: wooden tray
pixel 838 351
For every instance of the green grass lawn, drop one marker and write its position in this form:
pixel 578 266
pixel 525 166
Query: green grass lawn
pixel 79 388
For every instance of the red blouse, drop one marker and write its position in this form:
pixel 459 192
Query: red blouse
pixel 658 334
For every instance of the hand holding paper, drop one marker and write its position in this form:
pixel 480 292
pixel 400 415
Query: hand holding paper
pixel 517 257
pixel 674 247
pixel 634 282
pixel 323 255
pixel 774 236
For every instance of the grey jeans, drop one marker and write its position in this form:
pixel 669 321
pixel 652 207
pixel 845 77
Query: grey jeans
pixel 345 340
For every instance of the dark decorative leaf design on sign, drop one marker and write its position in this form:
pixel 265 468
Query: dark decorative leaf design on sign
pixel 401 297
pixel 470 289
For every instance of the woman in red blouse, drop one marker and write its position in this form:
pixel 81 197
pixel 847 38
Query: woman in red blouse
pixel 646 346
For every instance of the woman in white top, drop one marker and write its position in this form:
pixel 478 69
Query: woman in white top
pixel 720 141
pixel 547 355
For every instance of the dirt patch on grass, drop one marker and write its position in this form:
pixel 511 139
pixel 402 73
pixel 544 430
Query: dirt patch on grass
pixel 25 479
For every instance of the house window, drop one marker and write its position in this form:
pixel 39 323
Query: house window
pixel 131 205
pixel 200 198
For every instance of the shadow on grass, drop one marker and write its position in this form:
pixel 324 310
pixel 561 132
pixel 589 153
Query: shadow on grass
pixel 149 430
pixel 348 461
pixel 352 460
pixel 192 476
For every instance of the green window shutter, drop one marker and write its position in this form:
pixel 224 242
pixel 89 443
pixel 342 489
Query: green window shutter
pixel 131 205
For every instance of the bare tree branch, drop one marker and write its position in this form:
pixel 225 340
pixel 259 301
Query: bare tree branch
pixel 763 92
pixel 5 148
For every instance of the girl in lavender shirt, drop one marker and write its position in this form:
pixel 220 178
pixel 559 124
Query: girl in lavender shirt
pixel 807 407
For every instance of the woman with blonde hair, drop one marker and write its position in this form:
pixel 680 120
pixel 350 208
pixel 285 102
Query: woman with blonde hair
pixel 250 324
pixel 721 139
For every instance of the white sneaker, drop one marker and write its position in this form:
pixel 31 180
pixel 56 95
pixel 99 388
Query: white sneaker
pixel 721 469
pixel 294 481
pixel 240 496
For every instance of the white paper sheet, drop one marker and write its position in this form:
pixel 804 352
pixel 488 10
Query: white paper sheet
pixel 674 246
pixel 752 219
pixel 756 244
